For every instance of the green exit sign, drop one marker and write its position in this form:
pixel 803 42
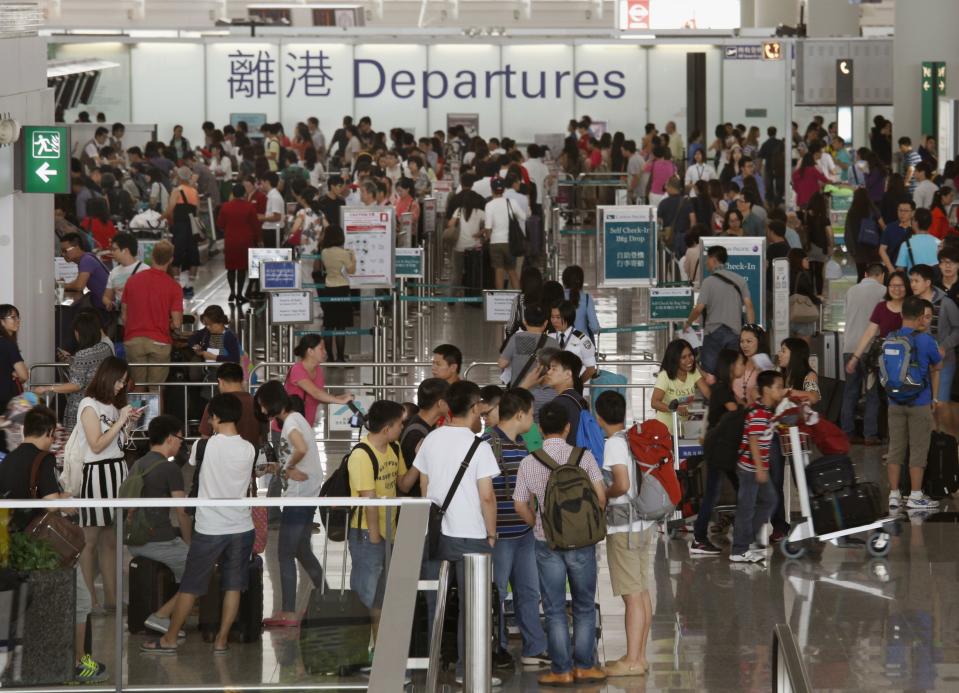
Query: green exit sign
pixel 46 159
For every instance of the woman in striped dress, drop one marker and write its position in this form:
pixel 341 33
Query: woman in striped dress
pixel 103 415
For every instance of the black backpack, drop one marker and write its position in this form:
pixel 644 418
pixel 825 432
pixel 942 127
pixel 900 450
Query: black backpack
pixel 337 520
pixel 722 441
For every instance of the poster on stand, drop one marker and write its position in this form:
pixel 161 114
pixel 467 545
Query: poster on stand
pixel 369 234
pixel 626 246
pixel 257 256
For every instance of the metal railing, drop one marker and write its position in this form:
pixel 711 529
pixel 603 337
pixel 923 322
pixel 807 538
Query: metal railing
pixel 789 672
pixel 402 581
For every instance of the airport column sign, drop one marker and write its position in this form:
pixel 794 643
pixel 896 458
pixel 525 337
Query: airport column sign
pixel 46 159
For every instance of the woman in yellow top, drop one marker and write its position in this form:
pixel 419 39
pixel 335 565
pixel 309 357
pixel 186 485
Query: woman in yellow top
pixel 368 526
pixel 676 383
pixel 339 263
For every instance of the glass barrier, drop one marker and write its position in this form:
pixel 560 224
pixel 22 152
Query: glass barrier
pixel 291 604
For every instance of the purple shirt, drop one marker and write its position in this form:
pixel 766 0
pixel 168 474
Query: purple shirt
pixel 886 319
pixel 97 282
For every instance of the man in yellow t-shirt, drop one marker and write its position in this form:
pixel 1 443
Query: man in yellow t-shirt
pixel 368 525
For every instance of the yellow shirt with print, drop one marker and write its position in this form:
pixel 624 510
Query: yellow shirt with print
pixel 360 467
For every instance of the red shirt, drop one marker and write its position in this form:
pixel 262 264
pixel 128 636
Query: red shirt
pixel 150 298
pixel 940 224
pixel 102 232
pixel 807 182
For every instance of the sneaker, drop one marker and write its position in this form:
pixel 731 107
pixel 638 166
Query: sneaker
pixel 756 546
pixel 921 503
pixel 756 555
pixel 90 671
pixel 895 500
pixel 542 660
pixel 159 624
pixel 502 659
pixel 740 557
pixel 703 548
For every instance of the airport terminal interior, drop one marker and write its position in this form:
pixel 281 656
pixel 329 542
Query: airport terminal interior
pixel 438 345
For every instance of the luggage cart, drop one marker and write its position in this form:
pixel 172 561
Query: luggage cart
pixel 802 536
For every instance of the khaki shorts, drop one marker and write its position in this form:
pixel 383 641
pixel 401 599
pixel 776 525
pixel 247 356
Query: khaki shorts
pixel 499 256
pixel 629 561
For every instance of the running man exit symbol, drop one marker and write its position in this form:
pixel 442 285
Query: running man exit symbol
pixel 46 144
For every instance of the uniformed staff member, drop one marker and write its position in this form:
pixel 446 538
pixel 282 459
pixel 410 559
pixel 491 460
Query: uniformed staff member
pixel 570 339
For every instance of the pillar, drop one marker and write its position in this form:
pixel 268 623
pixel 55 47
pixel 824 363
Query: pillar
pixel 828 18
pixel 925 31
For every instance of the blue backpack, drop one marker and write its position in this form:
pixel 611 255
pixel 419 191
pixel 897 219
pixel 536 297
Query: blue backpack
pixel 589 435
pixel 899 370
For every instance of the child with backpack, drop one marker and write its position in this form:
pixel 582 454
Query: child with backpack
pixel 677 383
pixel 560 493
pixel 909 373
pixel 628 544
pixel 757 498
pixel 723 406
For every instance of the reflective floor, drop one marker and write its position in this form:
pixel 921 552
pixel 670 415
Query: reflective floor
pixel 862 624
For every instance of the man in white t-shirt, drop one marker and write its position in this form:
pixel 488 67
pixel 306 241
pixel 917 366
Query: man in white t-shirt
pixel 124 247
pixel 275 210
pixel 469 525
pixel 538 173
pixel 628 540
pixel 221 535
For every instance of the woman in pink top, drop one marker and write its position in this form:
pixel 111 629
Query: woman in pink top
pixel 661 169
pixel 305 379
pixel 753 344
pixel 808 179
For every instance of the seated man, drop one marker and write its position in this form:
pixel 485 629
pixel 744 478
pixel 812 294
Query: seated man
pixel 162 478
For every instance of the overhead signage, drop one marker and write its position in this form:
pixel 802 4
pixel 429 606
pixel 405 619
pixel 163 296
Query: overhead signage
pixel 749 51
pixel 257 256
pixel 280 276
pixel 772 50
pixel 498 305
pixel 369 234
pixel 670 304
pixel 645 15
pixel 933 85
pixel 626 246
pixel 291 307
pixel 46 159
pixel 747 258
pixel 409 263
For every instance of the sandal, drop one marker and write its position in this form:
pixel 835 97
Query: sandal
pixel 221 650
pixel 157 648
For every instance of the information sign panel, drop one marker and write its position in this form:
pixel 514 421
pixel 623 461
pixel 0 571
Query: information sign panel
pixel 280 276
pixel 291 307
pixel 409 262
pixel 626 246
pixel 369 234
pixel 46 159
pixel 670 304
pixel 747 258
pixel 498 305
pixel 257 256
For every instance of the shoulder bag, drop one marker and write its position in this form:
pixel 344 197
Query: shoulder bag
pixel 518 380
pixel 54 528
pixel 802 309
pixel 435 526
pixel 517 238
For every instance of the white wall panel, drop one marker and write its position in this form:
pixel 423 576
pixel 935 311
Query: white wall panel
pixel 549 80
pixel 625 64
pixel 457 62
pixel 316 80
pixel 167 88
pixel 667 86
pixel 754 84
pixel 389 86
pixel 254 68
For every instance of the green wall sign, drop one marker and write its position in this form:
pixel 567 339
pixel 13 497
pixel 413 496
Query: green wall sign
pixel 932 85
pixel 670 303
pixel 46 159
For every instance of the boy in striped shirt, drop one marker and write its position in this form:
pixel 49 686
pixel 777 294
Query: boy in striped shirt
pixel 514 556
pixel 757 498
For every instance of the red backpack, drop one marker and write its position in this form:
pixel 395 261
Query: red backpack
pixel 651 446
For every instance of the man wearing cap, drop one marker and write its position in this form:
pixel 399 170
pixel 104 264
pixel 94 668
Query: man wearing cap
pixel 187 255
pixel 498 213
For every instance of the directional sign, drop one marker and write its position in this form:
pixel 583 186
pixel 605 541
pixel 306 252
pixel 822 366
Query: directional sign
pixel 46 159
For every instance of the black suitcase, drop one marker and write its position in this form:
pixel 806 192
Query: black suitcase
pixel 535 242
pixel 829 474
pixel 942 471
pixel 248 626
pixel 477 274
pixel 825 519
pixel 858 505
pixel 151 586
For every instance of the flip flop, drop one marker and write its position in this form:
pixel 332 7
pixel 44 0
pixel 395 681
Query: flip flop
pixel 280 623
pixel 154 647
pixel 221 650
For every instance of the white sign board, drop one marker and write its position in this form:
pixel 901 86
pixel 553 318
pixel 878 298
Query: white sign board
pixel 780 306
pixel 340 414
pixel 442 189
pixel 291 307
pixel 498 305
pixel 369 234
pixel 257 256
pixel 64 271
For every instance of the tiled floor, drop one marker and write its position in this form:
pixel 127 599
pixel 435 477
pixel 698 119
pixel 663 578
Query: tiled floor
pixel 862 624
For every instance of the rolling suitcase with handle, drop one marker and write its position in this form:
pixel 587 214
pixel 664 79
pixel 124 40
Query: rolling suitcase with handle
pixel 151 586
pixel 248 626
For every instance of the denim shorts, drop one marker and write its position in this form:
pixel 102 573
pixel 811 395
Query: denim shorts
pixel 367 575
pixel 946 375
pixel 232 551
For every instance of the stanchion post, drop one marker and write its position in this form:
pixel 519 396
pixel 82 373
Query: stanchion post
pixel 478 665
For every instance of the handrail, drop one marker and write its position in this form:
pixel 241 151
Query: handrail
pixel 789 672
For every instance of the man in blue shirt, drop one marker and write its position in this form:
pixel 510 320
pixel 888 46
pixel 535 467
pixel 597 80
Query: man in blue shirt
pixel 749 169
pixel 894 234
pixel 910 159
pixel 911 422
pixel 922 248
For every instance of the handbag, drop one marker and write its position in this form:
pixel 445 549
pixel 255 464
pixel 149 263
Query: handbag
pixel 55 529
pixel 517 238
pixel 802 310
pixel 435 526
pixel 868 232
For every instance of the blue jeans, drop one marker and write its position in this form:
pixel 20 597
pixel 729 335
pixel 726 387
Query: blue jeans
pixel 754 506
pixel 714 479
pixel 714 342
pixel 777 477
pixel 296 529
pixel 850 398
pixel 514 561
pixel 579 567
pixel 367 575
pixel 453 549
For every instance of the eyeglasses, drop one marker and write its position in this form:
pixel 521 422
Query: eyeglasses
pixel 15 318
pixel 67 250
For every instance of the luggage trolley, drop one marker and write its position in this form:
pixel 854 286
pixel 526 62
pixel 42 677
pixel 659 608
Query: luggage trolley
pixel 802 536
